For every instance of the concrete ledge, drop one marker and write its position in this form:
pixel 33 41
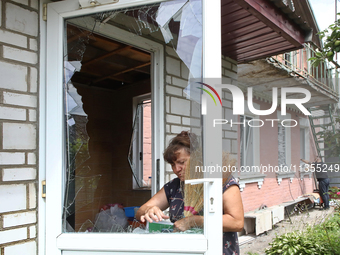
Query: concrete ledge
pixel 260 221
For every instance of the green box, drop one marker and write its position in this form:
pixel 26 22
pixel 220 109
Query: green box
pixel 163 226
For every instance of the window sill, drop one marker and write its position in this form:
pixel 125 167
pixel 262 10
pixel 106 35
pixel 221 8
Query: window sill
pixel 143 188
pixel 251 178
pixel 303 173
pixel 284 175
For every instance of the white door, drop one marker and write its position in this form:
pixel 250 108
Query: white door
pixel 58 239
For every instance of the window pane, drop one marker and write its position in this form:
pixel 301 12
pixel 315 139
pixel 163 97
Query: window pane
pixel 247 142
pixel 101 77
pixel 147 157
pixel 302 144
pixel 139 157
pixel 282 145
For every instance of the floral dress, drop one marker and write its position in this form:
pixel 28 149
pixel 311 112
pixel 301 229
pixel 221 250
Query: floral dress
pixel 174 195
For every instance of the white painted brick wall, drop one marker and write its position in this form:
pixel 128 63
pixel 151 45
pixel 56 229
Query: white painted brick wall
pixel 173 119
pixel 25 2
pixel 27 248
pixel 12 235
pixel 18 174
pixel 33 80
pixel 10 113
pixel 173 66
pixel 15 219
pixel 19 99
pixel 31 159
pixel 35 4
pixel 184 71
pixel 32 196
pixel 13 38
pixel 12 198
pixel 179 82
pixel 20 55
pixel 33 44
pixel 33 231
pixel 180 106
pixel 19 136
pixel 229 143
pixel 177 129
pixel 21 20
pixel 173 90
pixel 32 115
pixel 12 158
pixel 191 122
pixel 13 76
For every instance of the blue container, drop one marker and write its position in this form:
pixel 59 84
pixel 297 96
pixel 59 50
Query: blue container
pixel 130 211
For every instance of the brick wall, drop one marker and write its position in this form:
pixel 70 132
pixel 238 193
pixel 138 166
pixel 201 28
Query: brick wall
pixel 229 76
pixel 18 126
pixel 182 114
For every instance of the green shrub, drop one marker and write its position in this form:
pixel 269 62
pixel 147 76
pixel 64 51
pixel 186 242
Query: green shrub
pixel 294 243
pixel 320 239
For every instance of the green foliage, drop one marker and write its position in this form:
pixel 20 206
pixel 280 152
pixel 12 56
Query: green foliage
pixel 332 139
pixel 331 38
pixel 320 239
pixel 334 193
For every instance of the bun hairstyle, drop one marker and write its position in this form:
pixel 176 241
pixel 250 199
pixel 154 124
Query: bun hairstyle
pixel 184 140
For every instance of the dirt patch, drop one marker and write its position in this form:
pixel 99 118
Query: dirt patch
pixel 299 221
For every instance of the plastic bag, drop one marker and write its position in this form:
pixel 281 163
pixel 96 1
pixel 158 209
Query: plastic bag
pixel 111 220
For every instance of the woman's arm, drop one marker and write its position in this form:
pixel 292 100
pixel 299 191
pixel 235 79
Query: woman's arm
pixel 188 223
pixel 153 209
pixel 305 161
pixel 233 214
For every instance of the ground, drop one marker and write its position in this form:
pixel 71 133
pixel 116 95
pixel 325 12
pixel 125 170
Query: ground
pixel 299 221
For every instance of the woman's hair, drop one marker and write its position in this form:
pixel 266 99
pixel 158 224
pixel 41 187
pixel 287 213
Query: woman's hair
pixel 185 140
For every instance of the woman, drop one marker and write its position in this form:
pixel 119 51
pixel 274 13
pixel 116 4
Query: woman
pixel 177 154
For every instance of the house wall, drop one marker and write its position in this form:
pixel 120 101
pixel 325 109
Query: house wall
pixel 19 60
pixel 273 191
pixel 178 114
pixel 19 88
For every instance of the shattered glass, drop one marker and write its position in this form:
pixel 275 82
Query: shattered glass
pixel 98 157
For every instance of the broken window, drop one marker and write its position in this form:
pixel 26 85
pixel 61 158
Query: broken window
pixel 102 75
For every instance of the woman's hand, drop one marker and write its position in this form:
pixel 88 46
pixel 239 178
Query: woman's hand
pixel 153 209
pixel 153 213
pixel 188 223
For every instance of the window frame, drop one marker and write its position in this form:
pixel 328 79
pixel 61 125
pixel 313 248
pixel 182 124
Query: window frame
pixel 56 242
pixel 288 140
pixel 250 177
pixel 288 151
pixel 139 143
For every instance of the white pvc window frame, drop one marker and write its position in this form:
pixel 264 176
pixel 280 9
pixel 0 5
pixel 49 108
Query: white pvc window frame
pixel 56 242
pixel 139 142
pixel 255 135
pixel 287 138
